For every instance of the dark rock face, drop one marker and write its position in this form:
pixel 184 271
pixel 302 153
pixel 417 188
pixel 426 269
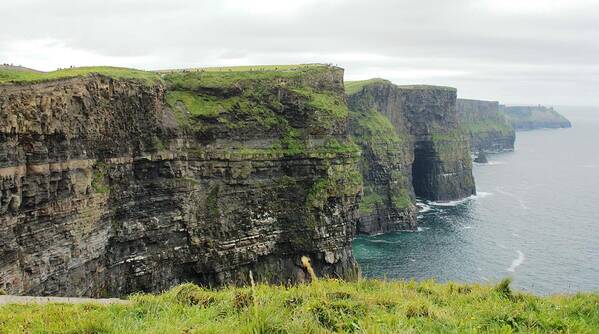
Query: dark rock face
pixel 490 130
pixel 387 156
pixel 535 117
pixel 481 158
pixel 442 169
pixel 413 146
pixel 105 190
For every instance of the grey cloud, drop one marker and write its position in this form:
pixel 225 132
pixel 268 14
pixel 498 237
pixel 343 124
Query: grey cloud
pixel 544 56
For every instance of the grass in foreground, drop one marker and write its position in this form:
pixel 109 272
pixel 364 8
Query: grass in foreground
pixel 367 306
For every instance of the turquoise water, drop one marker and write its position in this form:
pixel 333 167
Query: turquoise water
pixel 535 218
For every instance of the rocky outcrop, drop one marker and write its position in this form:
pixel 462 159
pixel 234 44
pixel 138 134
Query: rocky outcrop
pixel 481 158
pixel 535 117
pixel 413 146
pixel 110 186
pixel 489 129
pixel 388 203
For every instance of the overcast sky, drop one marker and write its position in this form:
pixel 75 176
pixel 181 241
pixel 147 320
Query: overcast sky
pixel 514 51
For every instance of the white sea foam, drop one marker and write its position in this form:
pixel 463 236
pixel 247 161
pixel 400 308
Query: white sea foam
pixel 482 194
pixel 494 163
pixel 378 241
pixel 516 262
pixel 479 194
pixel 452 203
pixel 466 227
pixel 423 207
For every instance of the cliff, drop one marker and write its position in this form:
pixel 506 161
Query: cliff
pixel 535 117
pixel 388 203
pixel 114 181
pixel 413 146
pixel 490 130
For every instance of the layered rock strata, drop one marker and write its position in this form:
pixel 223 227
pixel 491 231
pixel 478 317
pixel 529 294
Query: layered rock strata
pixel 413 146
pixel 112 185
pixel 489 129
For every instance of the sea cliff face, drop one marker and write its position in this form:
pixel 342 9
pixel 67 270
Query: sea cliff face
pixel 111 185
pixel 490 130
pixel 413 146
pixel 388 203
pixel 535 117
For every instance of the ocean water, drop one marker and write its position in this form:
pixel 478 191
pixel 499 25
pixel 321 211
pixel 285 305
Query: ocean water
pixel 535 219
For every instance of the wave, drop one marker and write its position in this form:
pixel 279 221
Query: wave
pixel 378 241
pixel 490 163
pixel 452 203
pixel 482 194
pixel 422 208
pixel 516 262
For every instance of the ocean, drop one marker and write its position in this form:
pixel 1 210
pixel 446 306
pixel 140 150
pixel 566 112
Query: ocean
pixel 535 218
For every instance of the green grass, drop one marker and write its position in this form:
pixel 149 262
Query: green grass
pixel 201 105
pixel 237 78
pixel 341 180
pixel 401 199
pixel 372 127
pixel 369 202
pixel 325 306
pixel 8 75
pixel 352 87
pixel 98 181
pixel 486 126
pixel 540 114
pixel 253 68
pixel 250 99
pixel 333 105
pixel 427 87
pixel 480 123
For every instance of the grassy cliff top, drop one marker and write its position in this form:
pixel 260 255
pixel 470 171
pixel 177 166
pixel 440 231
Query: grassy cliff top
pixel 253 68
pixel 533 113
pixel 352 87
pixel 366 306
pixel 18 76
pixel 21 75
pixel 235 77
pixel 427 87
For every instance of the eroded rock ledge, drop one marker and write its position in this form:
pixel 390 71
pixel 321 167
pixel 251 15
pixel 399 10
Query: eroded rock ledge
pixel 413 146
pixel 110 186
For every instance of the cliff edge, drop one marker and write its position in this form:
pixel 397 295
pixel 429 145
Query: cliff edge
pixel 115 180
pixel 535 117
pixel 413 146
pixel 490 130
